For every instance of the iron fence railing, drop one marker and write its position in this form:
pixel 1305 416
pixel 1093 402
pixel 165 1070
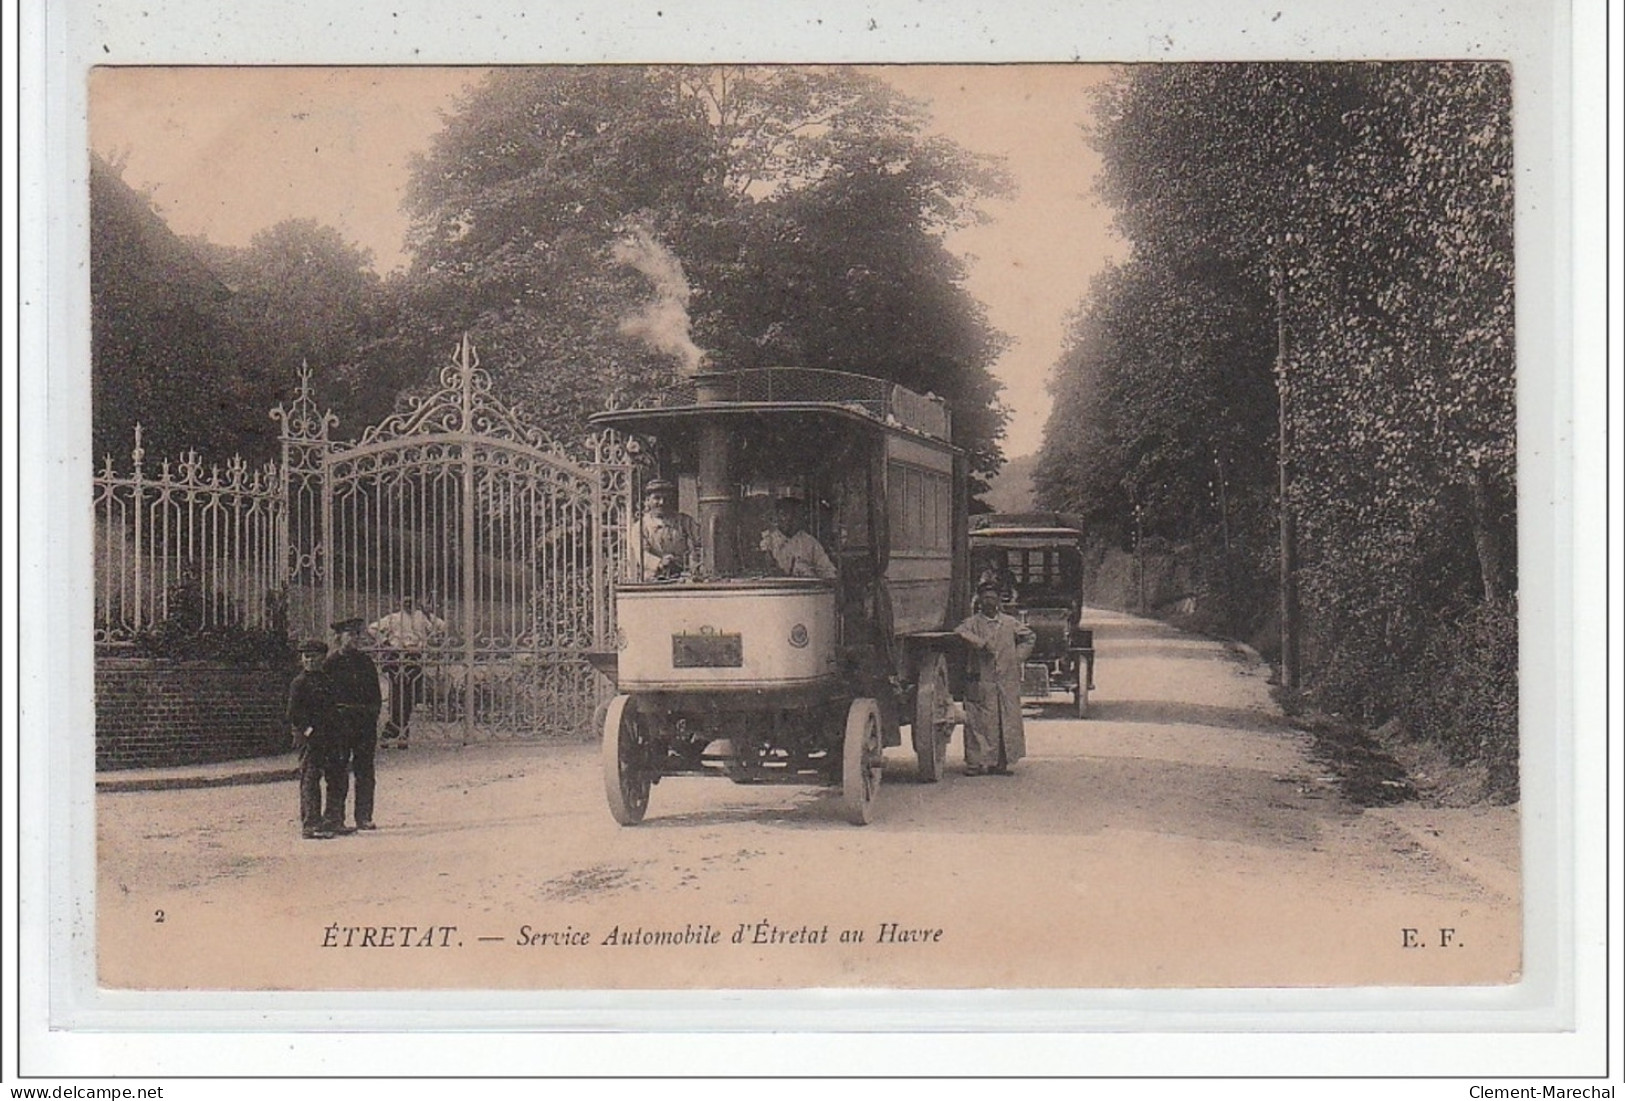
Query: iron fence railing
pixel 457 503
pixel 183 539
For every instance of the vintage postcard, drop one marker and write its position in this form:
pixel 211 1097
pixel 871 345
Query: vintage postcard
pixel 1169 827
pixel 899 526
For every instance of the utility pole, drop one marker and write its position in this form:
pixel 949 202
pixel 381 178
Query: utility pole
pixel 1289 528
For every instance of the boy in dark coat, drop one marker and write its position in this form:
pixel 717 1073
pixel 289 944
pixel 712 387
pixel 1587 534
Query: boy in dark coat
pixel 313 715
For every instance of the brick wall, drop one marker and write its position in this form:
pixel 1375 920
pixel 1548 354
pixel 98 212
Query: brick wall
pixel 152 713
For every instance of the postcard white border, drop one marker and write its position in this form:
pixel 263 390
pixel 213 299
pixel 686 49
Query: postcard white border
pixel 1549 1024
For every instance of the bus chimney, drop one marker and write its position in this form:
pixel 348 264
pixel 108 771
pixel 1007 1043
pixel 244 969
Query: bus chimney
pixel 719 550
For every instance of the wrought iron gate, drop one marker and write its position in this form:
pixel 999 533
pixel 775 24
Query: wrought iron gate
pixel 507 545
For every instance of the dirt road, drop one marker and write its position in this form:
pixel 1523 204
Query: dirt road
pixel 1180 836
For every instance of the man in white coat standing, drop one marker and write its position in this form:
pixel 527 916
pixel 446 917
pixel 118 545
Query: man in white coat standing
pixel 406 633
pixel 998 644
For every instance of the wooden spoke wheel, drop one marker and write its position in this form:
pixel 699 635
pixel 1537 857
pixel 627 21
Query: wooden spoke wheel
pixel 861 760
pixel 626 762
pixel 933 718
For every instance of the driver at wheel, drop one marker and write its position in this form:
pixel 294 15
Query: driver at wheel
pixel 668 540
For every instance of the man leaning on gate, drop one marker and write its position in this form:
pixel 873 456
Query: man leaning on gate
pixel 406 633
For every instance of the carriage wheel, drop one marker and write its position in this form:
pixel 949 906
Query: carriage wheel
pixel 861 758
pixel 933 719
pixel 626 770
pixel 1080 696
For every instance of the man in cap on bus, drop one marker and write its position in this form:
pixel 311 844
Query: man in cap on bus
pixel 998 644
pixel 667 543
pixel 794 550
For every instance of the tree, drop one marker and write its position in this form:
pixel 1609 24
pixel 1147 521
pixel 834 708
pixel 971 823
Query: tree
pixel 165 353
pixel 517 211
pixel 1364 212
pixel 842 275
pixel 1431 306
pixel 1165 386
pixel 197 341
pixel 302 294
pixel 800 215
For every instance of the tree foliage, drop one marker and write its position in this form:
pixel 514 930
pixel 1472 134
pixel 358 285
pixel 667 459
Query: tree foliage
pixel 805 211
pixel 595 228
pixel 197 341
pixel 516 213
pixel 1164 391
pixel 164 352
pixel 303 295
pixel 1363 213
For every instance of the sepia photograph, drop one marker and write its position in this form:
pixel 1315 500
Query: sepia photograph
pixel 772 526
pixel 710 548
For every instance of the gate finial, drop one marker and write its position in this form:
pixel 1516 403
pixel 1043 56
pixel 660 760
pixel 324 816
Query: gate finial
pixel 303 421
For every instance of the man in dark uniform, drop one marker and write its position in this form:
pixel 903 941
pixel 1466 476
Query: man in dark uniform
pixel 358 699
pixel 314 717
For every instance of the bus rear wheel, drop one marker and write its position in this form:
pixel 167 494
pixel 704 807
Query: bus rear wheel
pixel 933 719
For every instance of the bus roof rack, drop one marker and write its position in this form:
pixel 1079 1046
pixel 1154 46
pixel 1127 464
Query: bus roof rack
pixel 1025 521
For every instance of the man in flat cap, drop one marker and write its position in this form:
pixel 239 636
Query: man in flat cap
pixel 794 549
pixel 666 542
pixel 313 715
pixel 358 698
pixel 999 643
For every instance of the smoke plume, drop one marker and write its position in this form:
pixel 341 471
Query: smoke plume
pixel 663 322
